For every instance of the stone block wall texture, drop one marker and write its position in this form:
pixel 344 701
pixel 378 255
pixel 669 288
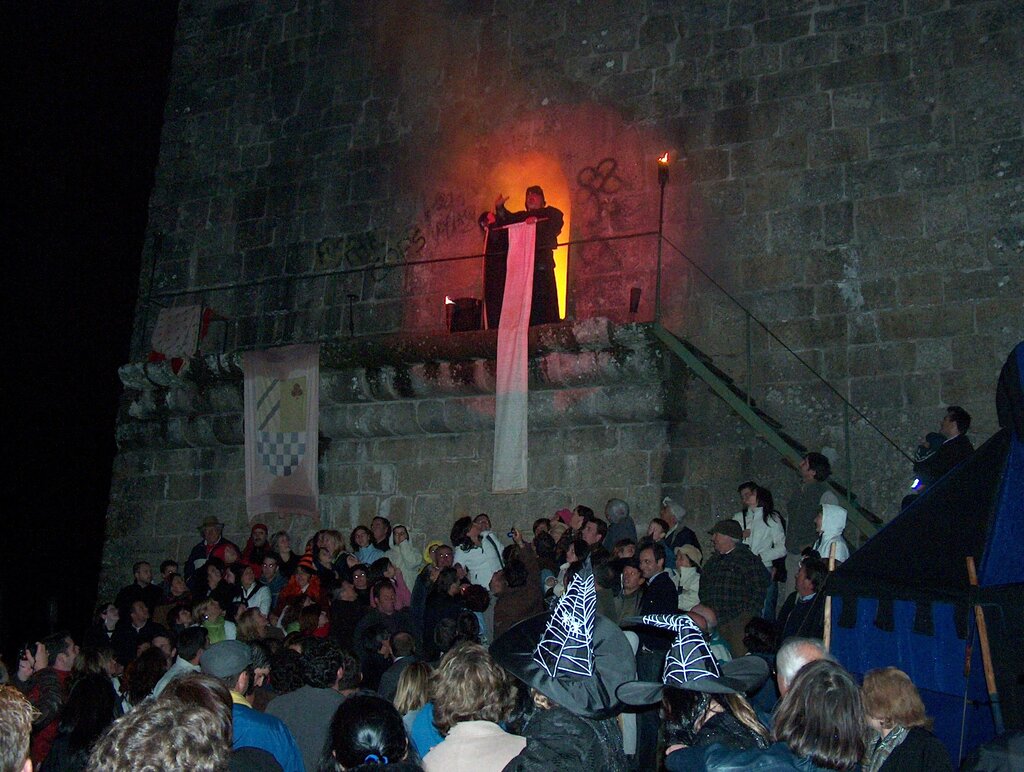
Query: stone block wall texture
pixel 851 172
pixel 410 439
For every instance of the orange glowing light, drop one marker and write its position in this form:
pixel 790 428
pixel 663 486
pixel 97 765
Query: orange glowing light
pixel 514 175
pixel 663 159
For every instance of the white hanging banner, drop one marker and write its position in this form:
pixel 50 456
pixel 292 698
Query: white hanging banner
pixel 509 474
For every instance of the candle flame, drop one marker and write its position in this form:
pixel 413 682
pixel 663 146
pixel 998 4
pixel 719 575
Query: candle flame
pixel 448 301
pixel 663 159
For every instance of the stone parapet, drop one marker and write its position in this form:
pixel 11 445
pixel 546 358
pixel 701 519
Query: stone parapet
pixel 406 385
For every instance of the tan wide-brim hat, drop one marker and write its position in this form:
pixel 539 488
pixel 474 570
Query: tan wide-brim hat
pixel 208 521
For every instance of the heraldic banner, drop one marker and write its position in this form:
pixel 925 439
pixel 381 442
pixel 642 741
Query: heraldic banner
pixel 282 411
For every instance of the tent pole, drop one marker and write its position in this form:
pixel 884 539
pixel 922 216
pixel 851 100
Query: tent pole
pixel 967 682
pixel 827 637
pixel 986 652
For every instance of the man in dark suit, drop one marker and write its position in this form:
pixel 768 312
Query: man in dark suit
pixel 803 613
pixel 403 646
pixel 132 630
pixel 141 589
pixel 956 448
pixel 659 597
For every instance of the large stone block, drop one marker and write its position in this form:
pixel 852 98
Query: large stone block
pixel 867 69
pixel 782 28
pixel 894 217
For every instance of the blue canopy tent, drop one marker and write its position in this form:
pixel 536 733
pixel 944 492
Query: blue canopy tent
pixel 904 599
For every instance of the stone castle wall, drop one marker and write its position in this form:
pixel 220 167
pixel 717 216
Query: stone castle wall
pixel 411 437
pixel 851 172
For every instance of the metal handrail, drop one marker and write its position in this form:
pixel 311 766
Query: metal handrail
pixel 375 267
pixel 847 405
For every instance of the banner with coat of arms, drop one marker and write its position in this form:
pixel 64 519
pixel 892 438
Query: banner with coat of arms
pixel 282 410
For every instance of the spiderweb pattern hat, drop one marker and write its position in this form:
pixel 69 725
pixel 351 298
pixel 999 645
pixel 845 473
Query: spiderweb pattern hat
pixel 690 664
pixel 567 646
pixel 572 655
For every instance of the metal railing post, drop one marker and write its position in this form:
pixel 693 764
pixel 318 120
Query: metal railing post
pixel 750 371
pixel 570 297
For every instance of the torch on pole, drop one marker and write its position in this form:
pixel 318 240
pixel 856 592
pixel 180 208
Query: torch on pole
pixel 662 182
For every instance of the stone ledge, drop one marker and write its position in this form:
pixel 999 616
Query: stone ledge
pixel 584 373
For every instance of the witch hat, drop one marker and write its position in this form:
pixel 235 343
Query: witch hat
pixel 690 664
pixel 572 655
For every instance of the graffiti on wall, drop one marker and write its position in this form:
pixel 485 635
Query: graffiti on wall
pixel 600 180
pixel 597 189
pixel 446 217
pixel 375 251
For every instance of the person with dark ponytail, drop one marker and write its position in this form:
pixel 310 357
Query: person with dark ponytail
pixel 367 735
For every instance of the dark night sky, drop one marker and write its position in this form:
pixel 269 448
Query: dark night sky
pixel 85 85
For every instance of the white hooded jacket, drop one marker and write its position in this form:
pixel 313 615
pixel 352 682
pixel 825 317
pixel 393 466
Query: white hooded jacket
pixel 766 540
pixel 833 521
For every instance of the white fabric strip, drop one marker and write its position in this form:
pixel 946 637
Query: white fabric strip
pixel 510 471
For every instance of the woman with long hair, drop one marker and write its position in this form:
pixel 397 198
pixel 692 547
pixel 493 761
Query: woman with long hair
pixel 693 719
pixel 91 707
pixel 404 555
pixel 281 545
pixel 252 625
pixel 361 541
pixel 476 550
pixel 252 593
pixel 764 531
pixel 383 568
pixel 902 738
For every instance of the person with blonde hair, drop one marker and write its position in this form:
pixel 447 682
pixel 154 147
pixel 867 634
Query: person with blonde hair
pixel 903 740
pixel 472 695
pixel 413 691
pixel 252 625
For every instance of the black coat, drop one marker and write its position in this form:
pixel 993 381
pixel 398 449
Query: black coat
pixel 126 638
pixel 920 751
pixel 559 741
pixel 806 620
pixel 659 597
pixel 544 308
pixel 152 595
pixel 949 454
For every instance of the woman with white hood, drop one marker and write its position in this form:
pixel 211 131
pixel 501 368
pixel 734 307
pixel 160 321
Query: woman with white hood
pixel 403 555
pixel 831 521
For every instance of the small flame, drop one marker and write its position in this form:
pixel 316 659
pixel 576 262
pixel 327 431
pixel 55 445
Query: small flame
pixel 663 159
pixel 448 301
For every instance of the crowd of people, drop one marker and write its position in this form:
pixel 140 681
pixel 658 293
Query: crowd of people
pixel 583 644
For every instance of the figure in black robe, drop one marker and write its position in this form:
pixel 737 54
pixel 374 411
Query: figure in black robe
pixel 544 307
